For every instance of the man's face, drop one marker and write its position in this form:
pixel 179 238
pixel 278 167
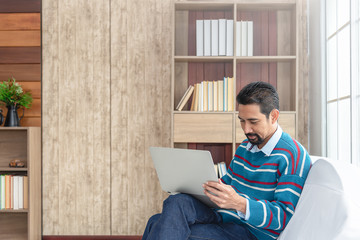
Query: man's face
pixel 257 128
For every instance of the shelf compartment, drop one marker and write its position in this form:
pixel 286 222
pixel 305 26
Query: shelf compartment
pixel 287 122
pixel 13 145
pixel 274 31
pixel 199 128
pixel 13 226
pixel 282 75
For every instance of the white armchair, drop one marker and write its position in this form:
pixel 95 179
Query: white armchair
pixel 329 206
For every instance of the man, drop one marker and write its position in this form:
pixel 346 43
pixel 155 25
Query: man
pixel 262 186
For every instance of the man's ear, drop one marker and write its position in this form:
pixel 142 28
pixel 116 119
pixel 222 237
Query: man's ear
pixel 274 115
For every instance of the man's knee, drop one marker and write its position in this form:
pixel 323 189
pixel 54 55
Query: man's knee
pixel 178 200
pixel 154 218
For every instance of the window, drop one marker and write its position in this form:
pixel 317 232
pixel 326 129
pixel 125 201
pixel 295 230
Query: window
pixel 342 80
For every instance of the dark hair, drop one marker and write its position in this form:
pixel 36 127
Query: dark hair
pixel 261 93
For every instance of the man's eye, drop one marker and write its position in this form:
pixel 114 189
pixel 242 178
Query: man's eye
pixel 253 122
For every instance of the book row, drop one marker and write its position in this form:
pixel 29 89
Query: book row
pixel 210 96
pixel 220 169
pixel 13 192
pixel 215 37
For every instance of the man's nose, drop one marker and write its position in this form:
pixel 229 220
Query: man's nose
pixel 247 128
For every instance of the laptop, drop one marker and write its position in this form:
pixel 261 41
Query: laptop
pixel 184 171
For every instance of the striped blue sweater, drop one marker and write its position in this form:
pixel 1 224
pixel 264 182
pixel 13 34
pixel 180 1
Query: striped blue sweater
pixel 272 184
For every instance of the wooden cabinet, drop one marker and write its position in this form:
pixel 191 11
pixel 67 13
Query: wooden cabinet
pixel 23 143
pixel 275 60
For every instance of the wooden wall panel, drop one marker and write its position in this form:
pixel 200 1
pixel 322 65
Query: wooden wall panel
pixel 20 21
pixel 19 6
pixel 20 38
pixel 102 125
pixel 22 72
pixel 20 55
pixel 107 87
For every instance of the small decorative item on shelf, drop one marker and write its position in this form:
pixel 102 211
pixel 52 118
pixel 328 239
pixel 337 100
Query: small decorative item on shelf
pixel 16 163
pixel 13 96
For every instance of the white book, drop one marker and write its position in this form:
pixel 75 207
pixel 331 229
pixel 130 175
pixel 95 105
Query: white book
pixel 221 95
pixel 2 192
pixel 210 96
pixel 201 106
pixel 215 86
pixel 207 37
pixel 15 192
pixel 229 37
pixel 199 37
pixel 21 192
pixel 250 38
pixel 238 38
pixel 243 38
pixel 214 37
pixel 222 37
pixel 225 94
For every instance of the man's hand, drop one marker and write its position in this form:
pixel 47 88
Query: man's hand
pixel 224 196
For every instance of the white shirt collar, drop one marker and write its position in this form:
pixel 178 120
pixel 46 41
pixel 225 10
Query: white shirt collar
pixel 269 146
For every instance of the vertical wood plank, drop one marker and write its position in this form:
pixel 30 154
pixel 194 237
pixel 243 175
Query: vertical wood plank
pixel 67 116
pixel 303 73
pixel 101 169
pixel 50 126
pixel 119 118
pixel 153 101
pixel 137 28
pixel 166 66
pixel 83 119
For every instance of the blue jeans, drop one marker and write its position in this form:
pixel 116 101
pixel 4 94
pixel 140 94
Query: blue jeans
pixel 184 217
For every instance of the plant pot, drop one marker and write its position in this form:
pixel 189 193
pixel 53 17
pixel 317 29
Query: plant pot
pixel 12 117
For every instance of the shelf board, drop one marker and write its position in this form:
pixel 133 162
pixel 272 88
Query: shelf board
pixel 273 5
pixel 203 59
pixel 11 169
pixel 228 5
pixel 238 59
pixel 14 211
pixel 265 59
pixel 204 5
pixel 14 128
pixel 197 112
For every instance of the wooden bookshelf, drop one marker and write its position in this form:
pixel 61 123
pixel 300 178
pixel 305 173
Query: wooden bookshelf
pixel 275 60
pixel 22 143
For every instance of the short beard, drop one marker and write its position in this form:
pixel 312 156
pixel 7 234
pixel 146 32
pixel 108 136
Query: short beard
pixel 258 141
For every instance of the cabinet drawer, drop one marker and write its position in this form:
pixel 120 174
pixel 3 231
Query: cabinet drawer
pixel 287 122
pixel 202 127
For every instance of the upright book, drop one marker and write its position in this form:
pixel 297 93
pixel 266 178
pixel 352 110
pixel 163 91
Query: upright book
pixel 185 98
pixel 214 37
pixel 199 37
pixel 229 37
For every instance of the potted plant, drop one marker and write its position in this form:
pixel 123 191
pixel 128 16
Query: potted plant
pixel 13 97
